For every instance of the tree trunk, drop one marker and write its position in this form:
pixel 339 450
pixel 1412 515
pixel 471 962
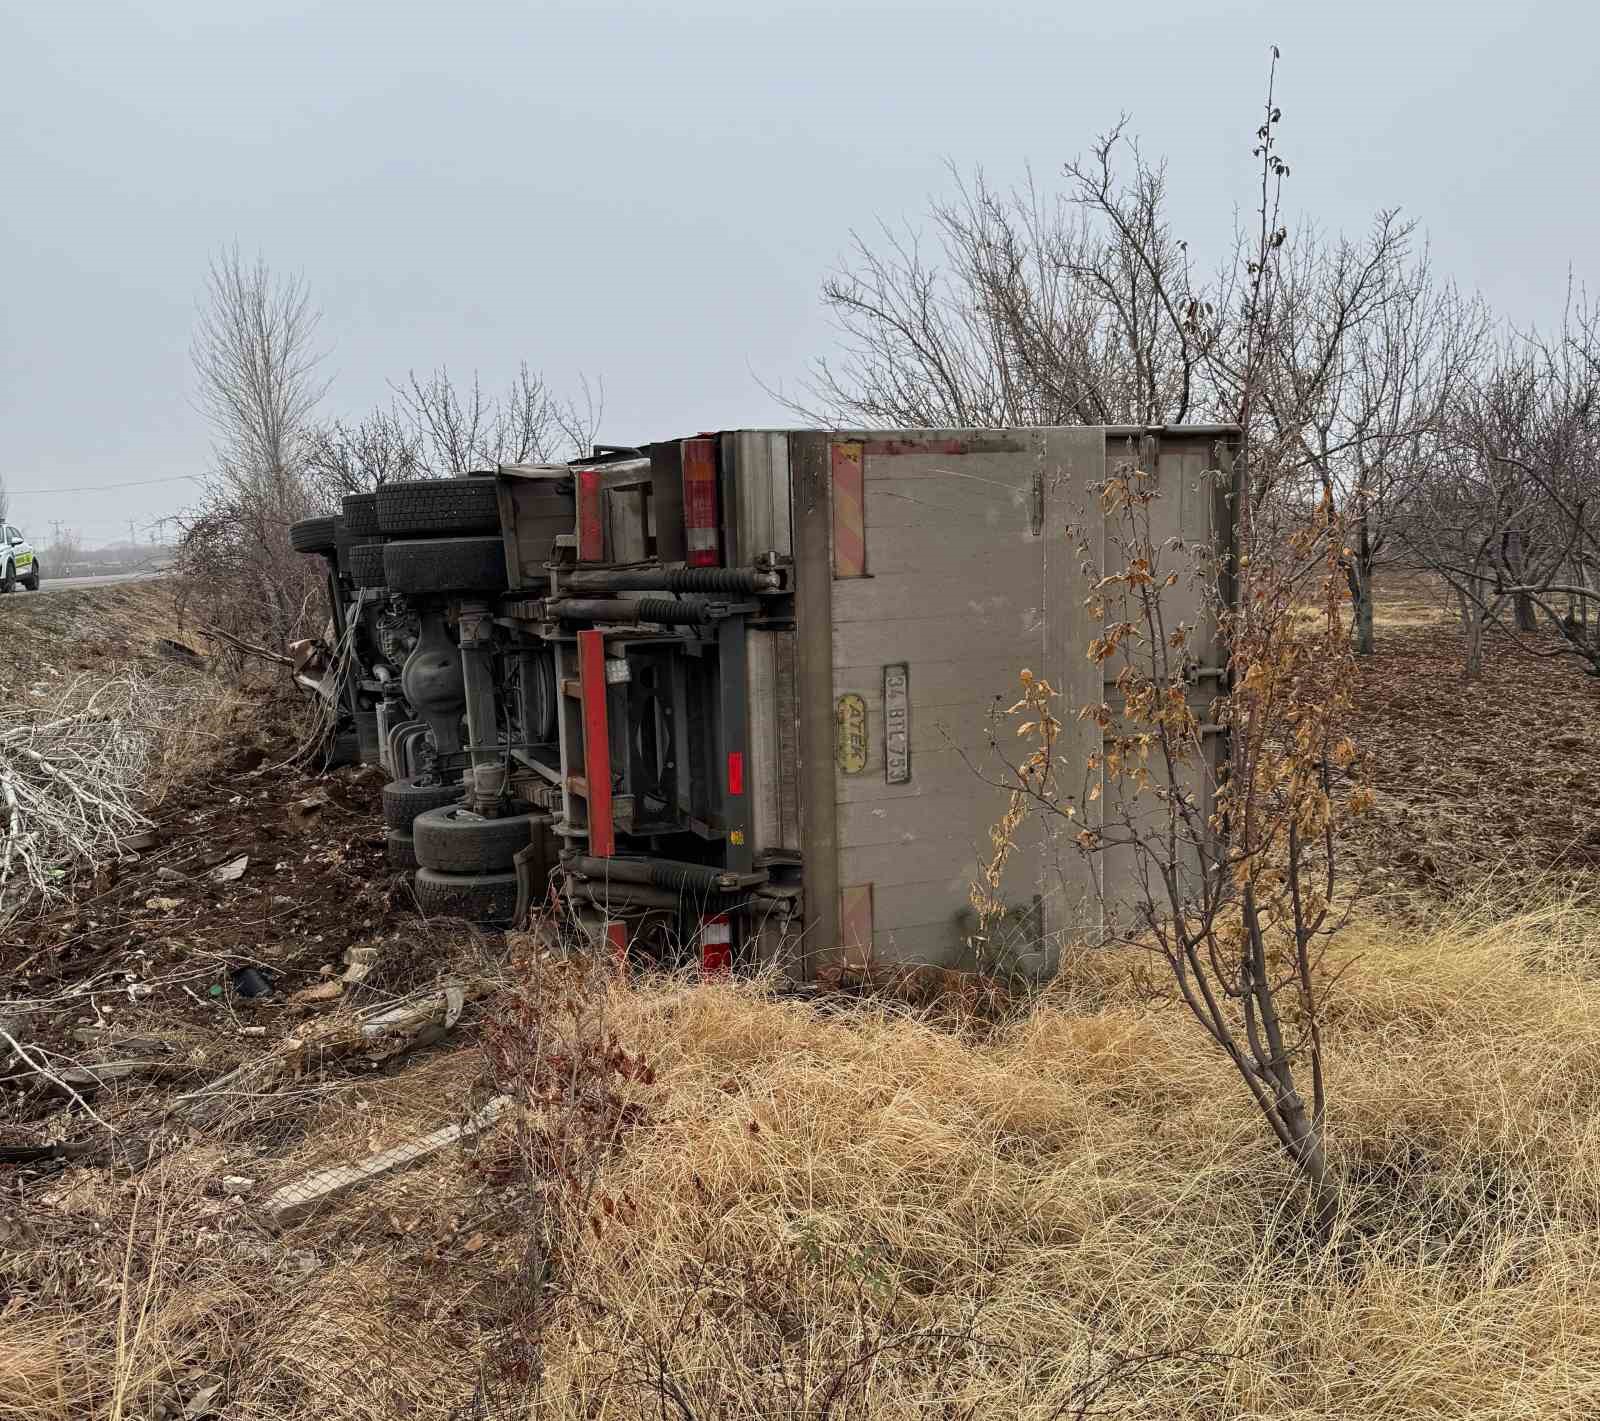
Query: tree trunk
pixel 1472 631
pixel 1526 616
pixel 1360 579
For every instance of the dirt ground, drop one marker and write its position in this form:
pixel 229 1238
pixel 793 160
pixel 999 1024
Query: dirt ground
pixel 1499 776
pixel 145 1283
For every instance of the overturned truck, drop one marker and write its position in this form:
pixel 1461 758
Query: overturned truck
pixel 734 697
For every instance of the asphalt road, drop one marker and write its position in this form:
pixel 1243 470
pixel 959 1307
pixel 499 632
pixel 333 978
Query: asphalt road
pixel 66 584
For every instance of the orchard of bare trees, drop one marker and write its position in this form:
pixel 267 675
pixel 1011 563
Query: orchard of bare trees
pixel 275 458
pixel 1448 437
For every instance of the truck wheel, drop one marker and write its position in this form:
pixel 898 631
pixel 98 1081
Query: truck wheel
pixel 462 505
pixel 31 581
pixel 366 565
pixel 343 542
pixel 445 565
pixel 453 840
pixel 403 800
pixel 400 849
pixel 313 535
pixel 360 512
pixel 477 897
pixel 7 577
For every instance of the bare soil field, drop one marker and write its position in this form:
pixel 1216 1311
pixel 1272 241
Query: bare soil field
pixel 714 1201
pixel 1499 776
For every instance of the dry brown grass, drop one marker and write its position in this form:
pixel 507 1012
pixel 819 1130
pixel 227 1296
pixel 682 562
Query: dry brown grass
pixel 1097 1177
pixel 859 1207
pixel 954 1224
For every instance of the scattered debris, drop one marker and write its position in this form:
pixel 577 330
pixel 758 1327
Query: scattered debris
pixel 380 1035
pixel 303 812
pixel 321 992
pixel 163 905
pixel 231 871
pixel 251 983
pixel 294 1201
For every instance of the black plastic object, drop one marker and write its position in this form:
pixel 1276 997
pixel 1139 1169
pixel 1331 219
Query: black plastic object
pixel 250 983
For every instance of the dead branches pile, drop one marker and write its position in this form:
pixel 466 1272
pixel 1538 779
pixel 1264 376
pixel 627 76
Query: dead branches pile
pixel 73 778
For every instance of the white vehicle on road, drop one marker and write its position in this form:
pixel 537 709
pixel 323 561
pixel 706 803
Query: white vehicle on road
pixel 17 561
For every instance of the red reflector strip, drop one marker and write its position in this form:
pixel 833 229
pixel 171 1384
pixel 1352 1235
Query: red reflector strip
pixel 591 529
pixel 596 742
pixel 736 772
pixel 716 946
pixel 700 502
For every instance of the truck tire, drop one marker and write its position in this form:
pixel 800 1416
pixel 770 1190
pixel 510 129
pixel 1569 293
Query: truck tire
pixel 438 565
pixel 403 800
pixel 400 849
pixel 367 736
pixel 366 565
pixel 313 535
pixel 360 511
pixel 477 897
pixel 451 840
pixel 8 576
pixel 343 542
pixel 430 506
pixel 31 581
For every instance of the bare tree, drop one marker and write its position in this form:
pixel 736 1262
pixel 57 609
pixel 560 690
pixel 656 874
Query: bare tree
pixel 1234 857
pixel 5 500
pixel 255 363
pixel 1024 309
pixel 1509 516
pixel 434 428
pixel 346 458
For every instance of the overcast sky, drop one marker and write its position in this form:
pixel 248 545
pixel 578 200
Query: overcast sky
pixel 651 194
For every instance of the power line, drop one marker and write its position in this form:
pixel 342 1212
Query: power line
pixel 100 488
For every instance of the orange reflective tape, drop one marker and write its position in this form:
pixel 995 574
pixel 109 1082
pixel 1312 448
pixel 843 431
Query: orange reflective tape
pixel 849 512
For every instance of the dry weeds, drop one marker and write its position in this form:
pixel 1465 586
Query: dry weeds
pixel 855 1210
pixel 928 1223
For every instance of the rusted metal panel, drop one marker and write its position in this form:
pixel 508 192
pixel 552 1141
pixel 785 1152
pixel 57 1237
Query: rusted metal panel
pixel 849 512
pixel 964 444
pixel 591 517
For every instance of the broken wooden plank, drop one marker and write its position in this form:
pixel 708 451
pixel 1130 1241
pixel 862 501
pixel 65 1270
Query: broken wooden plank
pixel 386 1032
pixel 294 1201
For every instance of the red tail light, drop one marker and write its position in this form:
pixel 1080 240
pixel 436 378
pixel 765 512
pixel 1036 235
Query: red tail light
pixel 735 772
pixel 716 946
pixel 700 503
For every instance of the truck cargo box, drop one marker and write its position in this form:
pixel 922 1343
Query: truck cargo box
pixel 795 649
